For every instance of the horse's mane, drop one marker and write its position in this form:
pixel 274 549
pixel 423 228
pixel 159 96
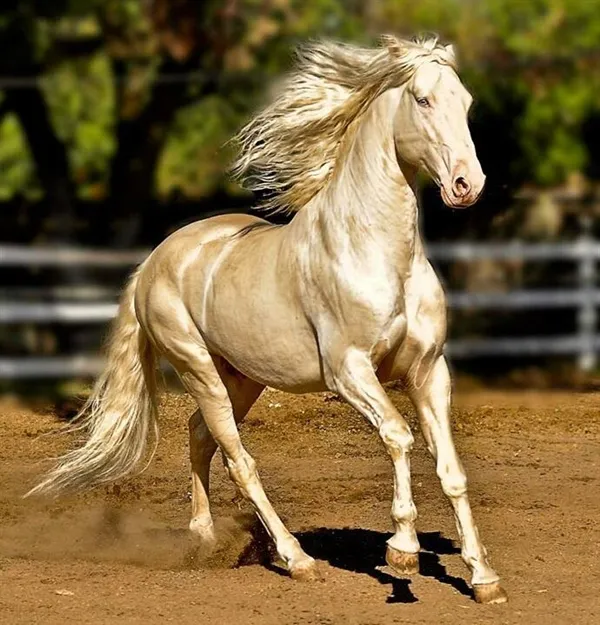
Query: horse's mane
pixel 289 149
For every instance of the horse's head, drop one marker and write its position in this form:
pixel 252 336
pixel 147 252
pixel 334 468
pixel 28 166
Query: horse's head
pixel 431 130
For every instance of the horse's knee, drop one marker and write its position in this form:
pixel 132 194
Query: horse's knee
pixel 396 436
pixel 453 481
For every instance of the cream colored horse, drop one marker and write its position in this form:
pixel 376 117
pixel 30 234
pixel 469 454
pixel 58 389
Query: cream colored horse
pixel 342 298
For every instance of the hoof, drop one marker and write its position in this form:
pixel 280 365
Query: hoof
pixel 306 571
pixel 489 593
pixel 401 562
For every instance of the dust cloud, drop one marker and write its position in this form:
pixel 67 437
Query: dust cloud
pixel 114 534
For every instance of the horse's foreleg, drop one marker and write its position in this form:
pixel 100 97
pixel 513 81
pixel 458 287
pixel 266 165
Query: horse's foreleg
pixel 355 380
pixel 432 403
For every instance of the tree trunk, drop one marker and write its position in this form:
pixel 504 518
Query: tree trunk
pixel 140 142
pixel 52 167
pixel 50 157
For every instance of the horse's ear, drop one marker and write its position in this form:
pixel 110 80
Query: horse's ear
pixel 450 52
pixel 393 45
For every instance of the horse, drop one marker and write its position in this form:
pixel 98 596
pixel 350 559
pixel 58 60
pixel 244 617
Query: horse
pixel 341 299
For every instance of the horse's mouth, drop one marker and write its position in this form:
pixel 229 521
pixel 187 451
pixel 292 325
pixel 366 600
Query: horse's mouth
pixel 459 202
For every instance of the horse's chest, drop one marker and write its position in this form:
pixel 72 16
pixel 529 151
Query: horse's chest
pixel 416 323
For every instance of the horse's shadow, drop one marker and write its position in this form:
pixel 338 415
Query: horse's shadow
pixel 363 551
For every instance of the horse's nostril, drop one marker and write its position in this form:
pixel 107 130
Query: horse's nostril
pixel 461 186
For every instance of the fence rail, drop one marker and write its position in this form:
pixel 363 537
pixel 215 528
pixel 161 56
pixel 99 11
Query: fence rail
pixel 579 249
pixel 585 252
pixel 22 256
pixel 49 312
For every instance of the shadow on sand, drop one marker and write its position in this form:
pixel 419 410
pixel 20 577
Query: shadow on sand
pixel 363 551
pixel 113 534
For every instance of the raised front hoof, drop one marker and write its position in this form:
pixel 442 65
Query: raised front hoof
pixel 401 562
pixel 490 593
pixel 306 571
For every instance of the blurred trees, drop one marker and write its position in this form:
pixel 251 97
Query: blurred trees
pixel 121 100
pixel 127 100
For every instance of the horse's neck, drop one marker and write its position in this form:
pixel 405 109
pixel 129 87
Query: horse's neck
pixel 369 203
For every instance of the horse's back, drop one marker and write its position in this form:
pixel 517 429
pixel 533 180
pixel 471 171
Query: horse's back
pixel 179 249
pixel 161 274
pixel 207 230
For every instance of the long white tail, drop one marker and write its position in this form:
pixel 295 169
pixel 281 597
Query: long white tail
pixel 118 415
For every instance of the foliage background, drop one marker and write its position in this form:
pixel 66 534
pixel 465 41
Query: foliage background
pixel 179 77
pixel 114 118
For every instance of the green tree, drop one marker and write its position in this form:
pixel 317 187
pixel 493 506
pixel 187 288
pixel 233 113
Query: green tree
pixel 124 100
pixel 136 96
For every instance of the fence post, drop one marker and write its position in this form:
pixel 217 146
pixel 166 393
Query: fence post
pixel 586 317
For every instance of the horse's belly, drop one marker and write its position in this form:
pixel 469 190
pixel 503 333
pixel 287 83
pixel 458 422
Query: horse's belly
pixel 282 356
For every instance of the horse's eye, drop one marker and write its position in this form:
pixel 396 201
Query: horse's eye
pixel 424 102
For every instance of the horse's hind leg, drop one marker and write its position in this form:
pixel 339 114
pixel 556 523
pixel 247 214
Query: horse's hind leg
pixel 202 449
pixel 242 392
pixel 432 403
pixel 201 378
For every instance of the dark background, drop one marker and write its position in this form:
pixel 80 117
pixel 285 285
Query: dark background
pixel 114 116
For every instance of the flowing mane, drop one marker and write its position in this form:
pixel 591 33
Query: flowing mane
pixel 289 149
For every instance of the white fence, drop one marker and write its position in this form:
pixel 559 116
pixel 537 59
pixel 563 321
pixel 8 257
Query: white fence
pixel 585 344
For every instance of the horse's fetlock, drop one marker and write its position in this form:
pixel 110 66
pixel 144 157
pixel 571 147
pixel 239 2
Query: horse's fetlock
pixel 404 512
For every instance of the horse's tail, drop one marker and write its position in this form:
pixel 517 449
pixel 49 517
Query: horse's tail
pixel 119 413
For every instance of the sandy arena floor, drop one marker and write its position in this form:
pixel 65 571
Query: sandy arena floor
pixel 122 554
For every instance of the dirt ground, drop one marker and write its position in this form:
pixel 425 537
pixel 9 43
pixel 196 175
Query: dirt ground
pixel 122 554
